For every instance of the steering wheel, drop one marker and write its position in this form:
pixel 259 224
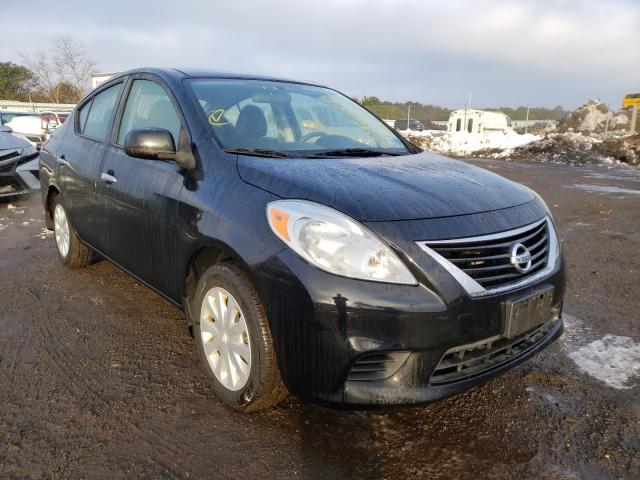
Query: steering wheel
pixel 316 133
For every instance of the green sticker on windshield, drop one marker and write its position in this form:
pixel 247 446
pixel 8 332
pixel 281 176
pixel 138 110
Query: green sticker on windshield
pixel 215 117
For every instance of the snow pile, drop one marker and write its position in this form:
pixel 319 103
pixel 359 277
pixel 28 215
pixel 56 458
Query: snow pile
pixel 419 133
pixel 576 148
pixel 593 116
pixel 464 143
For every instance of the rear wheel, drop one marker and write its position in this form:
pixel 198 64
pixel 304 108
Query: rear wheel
pixel 73 252
pixel 234 340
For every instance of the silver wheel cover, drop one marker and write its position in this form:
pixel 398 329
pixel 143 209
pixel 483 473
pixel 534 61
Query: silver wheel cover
pixel 225 338
pixel 61 230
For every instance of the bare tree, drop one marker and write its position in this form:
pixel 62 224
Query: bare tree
pixel 62 71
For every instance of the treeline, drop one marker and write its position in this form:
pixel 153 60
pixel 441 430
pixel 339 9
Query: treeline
pixel 61 74
pixel 428 113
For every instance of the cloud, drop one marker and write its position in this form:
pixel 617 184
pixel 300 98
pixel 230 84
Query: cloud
pixel 531 52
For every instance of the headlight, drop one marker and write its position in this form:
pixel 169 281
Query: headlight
pixel 335 242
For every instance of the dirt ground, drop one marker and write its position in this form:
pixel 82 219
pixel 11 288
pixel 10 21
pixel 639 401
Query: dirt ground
pixel 99 379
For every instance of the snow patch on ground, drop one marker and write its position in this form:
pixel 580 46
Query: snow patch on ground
pixel 575 333
pixel 15 209
pixel 44 234
pixel 613 359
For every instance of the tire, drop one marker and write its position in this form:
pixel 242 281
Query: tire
pixel 236 350
pixel 73 253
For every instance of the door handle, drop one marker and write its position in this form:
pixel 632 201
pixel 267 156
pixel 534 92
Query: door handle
pixel 62 160
pixel 107 178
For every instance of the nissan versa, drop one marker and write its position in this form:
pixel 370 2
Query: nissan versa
pixel 312 249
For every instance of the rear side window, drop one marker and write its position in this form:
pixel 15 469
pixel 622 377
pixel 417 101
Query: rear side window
pixel 100 111
pixel 82 116
pixel 148 106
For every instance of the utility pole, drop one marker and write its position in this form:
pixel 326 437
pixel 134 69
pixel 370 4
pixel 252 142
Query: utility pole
pixel 526 123
pixel 408 117
pixel 634 117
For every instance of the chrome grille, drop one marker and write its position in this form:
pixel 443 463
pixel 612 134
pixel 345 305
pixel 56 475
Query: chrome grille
pixel 485 264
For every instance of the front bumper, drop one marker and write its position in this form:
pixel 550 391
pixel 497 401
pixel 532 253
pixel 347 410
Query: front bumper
pixel 328 330
pixel 18 174
pixel 323 324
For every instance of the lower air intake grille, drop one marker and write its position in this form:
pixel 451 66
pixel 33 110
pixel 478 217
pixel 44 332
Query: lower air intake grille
pixel 8 185
pixel 377 366
pixel 468 360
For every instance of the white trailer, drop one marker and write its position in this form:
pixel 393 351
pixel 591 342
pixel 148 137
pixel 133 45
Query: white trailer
pixel 98 78
pixel 478 121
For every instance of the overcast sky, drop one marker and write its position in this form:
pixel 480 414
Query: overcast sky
pixel 506 53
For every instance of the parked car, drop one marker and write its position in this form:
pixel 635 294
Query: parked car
pixel 50 121
pixel 415 125
pixel 34 126
pixel 19 168
pixel 348 268
pixel 27 124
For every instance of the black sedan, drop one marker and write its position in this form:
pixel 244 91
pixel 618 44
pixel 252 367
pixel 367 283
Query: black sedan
pixel 312 249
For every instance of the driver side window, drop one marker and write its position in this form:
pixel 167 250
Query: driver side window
pixel 148 106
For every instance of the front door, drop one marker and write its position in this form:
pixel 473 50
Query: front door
pixel 142 195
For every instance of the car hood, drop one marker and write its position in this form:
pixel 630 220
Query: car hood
pixel 11 141
pixel 407 187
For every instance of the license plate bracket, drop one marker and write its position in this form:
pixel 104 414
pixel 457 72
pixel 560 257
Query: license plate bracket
pixel 524 313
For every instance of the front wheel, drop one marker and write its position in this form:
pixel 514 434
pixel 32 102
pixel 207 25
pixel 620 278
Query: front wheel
pixel 234 340
pixel 73 253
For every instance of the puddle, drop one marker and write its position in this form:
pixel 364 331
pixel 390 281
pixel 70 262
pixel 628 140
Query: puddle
pixel 553 397
pixel 623 176
pixel 603 189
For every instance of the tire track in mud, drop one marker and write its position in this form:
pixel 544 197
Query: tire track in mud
pixel 18 356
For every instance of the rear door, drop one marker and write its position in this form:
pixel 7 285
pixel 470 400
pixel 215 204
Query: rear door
pixel 142 202
pixel 78 163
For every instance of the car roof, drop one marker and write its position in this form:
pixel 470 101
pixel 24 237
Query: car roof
pixel 177 73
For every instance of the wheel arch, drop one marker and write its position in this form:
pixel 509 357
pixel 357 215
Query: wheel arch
pixel 202 258
pixel 52 191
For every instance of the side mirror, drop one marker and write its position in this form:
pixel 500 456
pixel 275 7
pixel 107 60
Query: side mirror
pixel 150 143
pixel 5 129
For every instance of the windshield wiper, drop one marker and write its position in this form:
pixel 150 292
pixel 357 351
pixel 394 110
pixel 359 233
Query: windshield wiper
pixel 259 152
pixel 353 152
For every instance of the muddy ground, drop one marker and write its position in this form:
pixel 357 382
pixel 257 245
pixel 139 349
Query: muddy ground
pixel 99 379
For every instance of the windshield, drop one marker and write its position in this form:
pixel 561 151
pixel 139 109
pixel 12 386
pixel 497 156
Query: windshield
pixel 291 119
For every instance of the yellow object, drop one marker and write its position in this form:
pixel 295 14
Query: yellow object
pixel 631 99
pixel 215 117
